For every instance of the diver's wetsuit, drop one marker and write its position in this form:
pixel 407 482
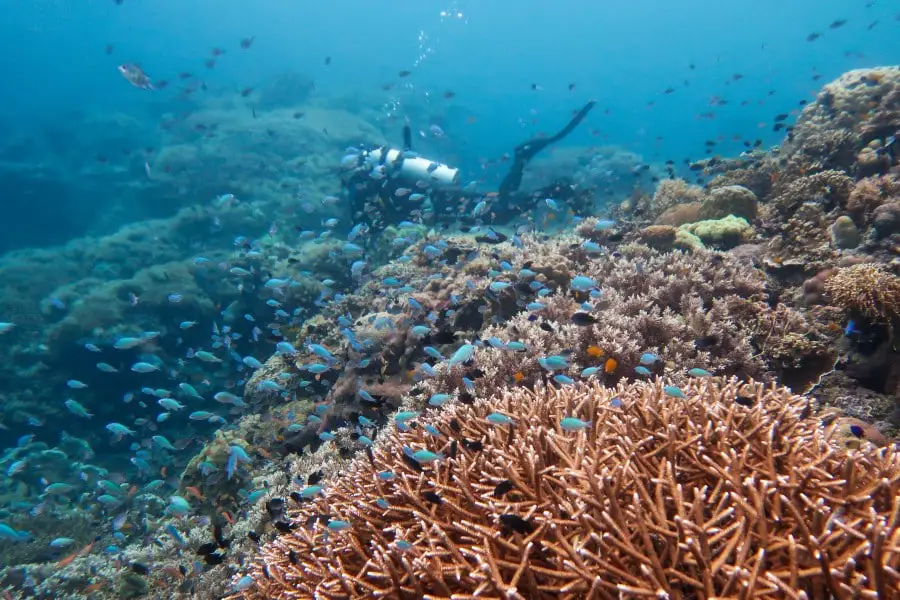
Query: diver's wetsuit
pixel 524 152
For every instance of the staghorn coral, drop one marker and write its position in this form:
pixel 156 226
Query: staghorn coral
pixel 868 289
pixel 693 497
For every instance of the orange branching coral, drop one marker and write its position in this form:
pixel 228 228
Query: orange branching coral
pixel 868 289
pixel 720 490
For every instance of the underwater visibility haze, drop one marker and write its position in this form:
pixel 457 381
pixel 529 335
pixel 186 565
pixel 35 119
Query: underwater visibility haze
pixel 430 300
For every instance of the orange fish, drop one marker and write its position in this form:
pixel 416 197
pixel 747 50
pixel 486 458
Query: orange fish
pixel 194 491
pixel 595 351
pixel 610 365
pixel 67 560
pixel 228 516
pixel 518 376
pixel 94 587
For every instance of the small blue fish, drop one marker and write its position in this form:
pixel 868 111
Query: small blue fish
pixel 498 286
pixel 675 392
pixel 563 379
pixel 338 525
pixel 242 584
pixel 582 283
pixel 696 372
pixel 421 330
pixel 642 370
pixel 499 419
pixel 463 354
pixel 311 491
pixel 439 399
pixel 554 363
pixel 590 371
pixel 433 353
pixel 573 424
pixel 648 358
pixel 426 456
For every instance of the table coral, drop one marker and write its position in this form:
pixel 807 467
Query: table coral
pixel 713 490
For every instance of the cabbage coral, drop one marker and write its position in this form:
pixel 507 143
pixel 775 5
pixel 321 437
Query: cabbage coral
pixel 721 489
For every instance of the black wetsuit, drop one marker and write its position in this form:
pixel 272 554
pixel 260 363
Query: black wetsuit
pixel 524 152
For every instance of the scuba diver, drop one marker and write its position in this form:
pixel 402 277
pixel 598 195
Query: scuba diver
pixel 386 185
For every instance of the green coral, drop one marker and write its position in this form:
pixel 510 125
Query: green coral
pixel 724 233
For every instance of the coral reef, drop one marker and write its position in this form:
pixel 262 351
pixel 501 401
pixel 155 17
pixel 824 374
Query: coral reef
pixel 866 289
pixel 641 490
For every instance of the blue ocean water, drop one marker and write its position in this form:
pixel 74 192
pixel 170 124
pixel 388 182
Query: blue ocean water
pixel 624 55
pixel 158 245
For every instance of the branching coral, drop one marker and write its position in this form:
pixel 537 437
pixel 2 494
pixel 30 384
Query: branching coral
pixel 868 289
pixel 829 188
pixel 650 492
pixel 671 192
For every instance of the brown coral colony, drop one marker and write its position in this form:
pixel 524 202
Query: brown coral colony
pixel 662 496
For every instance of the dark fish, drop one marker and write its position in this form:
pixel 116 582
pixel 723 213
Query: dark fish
pixel 838 24
pixel 502 488
pixel 453 447
pixel 466 398
pixel 283 527
pixel 454 425
pixel 253 536
pixel 546 326
pixel 813 37
pixel 292 556
pixel 327 60
pixel 404 73
pixel 314 478
pixel 474 445
pixel 583 319
pixel 275 507
pixel 432 497
pixel 412 463
pixel 182 569
pixel 857 430
pixel 432 167
pixel 140 568
pixel 214 558
pixel 247 42
pixel 449 94
pixel 516 523
pixel 207 548
pixel 707 341
pixel 778 127
pixel 571 86
pixel 220 537
pixel 744 400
